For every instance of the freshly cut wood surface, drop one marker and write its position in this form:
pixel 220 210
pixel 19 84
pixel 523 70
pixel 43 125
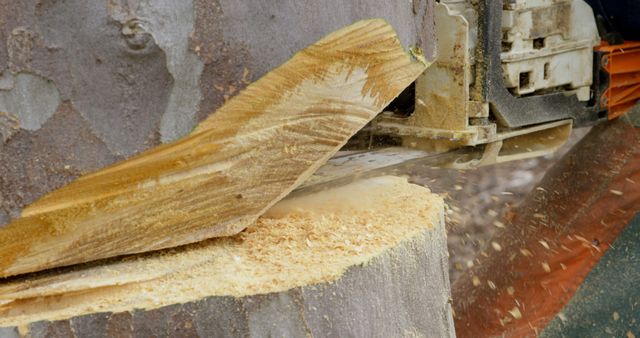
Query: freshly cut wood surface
pixel 379 244
pixel 236 164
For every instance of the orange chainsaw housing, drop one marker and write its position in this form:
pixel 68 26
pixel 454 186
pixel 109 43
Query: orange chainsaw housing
pixel 622 63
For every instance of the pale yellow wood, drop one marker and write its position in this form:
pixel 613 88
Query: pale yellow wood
pixel 240 161
pixel 301 241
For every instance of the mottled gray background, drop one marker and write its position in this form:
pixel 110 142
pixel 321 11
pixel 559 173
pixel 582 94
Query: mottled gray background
pixel 86 83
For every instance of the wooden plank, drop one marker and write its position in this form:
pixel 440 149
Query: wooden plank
pixel 236 164
pixel 374 249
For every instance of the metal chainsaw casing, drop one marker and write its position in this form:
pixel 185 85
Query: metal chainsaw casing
pixel 514 77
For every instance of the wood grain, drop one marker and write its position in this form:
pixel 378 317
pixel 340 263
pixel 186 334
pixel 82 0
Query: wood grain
pixel 374 249
pixel 236 164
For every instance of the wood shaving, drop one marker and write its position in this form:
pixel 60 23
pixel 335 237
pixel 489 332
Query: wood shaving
pixel 515 313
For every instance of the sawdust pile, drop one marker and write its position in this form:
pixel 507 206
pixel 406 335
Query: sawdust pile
pixel 302 241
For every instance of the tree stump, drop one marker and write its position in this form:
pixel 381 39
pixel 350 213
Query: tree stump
pixel 368 260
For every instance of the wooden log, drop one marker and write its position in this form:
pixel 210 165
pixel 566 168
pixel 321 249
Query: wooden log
pixel 236 164
pixel 367 259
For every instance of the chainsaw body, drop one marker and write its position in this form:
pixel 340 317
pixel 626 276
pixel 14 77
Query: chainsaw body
pixel 512 79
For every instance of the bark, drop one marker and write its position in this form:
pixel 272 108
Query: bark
pixel 78 94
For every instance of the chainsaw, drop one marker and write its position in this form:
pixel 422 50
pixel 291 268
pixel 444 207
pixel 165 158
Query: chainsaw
pixel 510 81
pixel 494 82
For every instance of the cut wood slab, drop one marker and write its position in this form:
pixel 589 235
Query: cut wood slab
pixel 367 259
pixel 236 164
